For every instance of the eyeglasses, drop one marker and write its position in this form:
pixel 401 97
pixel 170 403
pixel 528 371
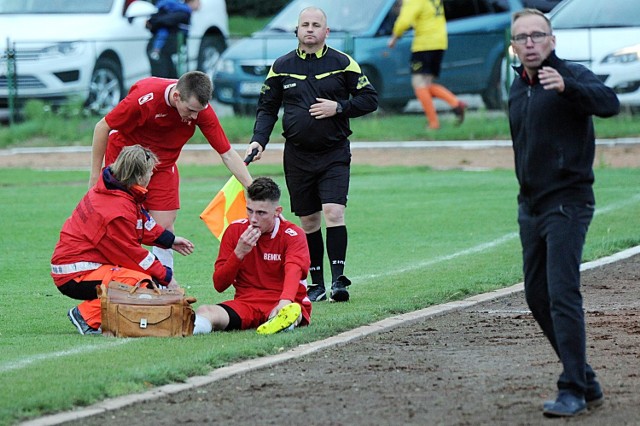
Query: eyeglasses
pixel 536 37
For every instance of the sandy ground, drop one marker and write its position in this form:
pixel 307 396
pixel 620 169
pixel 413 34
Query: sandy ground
pixel 488 364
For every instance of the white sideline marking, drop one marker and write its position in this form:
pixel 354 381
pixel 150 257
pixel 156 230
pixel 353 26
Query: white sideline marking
pixel 43 357
pixel 615 206
pixel 485 246
pixel 420 265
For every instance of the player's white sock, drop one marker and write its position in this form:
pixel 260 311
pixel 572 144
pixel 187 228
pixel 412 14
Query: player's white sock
pixel 165 256
pixel 202 325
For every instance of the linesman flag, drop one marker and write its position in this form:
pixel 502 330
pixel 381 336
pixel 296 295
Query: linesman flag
pixel 228 205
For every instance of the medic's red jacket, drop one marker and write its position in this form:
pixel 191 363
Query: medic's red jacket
pixel 108 227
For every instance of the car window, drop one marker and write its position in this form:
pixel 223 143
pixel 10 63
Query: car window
pixel 458 9
pixel 597 14
pixel 352 16
pixel 55 6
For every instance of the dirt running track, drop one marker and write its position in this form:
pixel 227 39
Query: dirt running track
pixel 483 365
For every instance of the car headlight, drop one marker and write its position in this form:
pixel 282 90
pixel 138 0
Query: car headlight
pixel 623 56
pixel 225 66
pixel 62 49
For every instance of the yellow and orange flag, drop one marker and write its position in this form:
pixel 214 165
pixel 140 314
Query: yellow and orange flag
pixel 228 205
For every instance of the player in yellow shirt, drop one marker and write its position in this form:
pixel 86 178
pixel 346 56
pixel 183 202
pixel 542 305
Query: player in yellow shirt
pixel 427 49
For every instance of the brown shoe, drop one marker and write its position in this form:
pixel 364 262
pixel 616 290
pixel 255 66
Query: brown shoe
pixel 459 111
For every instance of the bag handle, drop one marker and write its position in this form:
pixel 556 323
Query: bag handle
pixel 146 282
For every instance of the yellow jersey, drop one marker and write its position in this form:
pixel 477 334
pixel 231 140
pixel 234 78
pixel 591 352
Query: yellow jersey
pixel 428 21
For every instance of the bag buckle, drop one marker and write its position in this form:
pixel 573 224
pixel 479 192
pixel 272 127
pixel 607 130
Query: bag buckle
pixel 143 323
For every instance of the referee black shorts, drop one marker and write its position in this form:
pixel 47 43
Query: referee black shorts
pixel 427 62
pixel 316 178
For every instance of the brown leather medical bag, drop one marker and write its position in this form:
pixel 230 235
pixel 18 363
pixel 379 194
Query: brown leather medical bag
pixel 137 311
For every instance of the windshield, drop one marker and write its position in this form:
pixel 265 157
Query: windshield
pixel 54 6
pixel 597 14
pixel 351 16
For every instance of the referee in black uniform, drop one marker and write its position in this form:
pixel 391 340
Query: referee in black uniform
pixel 320 89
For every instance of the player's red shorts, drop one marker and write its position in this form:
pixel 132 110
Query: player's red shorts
pixel 164 189
pixel 254 314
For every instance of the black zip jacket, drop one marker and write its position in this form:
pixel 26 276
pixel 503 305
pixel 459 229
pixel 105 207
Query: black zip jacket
pixel 553 136
pixel 295 81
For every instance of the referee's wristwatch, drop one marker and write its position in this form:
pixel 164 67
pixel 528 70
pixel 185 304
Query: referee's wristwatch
pixel 338 108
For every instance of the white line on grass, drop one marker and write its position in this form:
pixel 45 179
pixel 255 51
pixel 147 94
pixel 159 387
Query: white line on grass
pixel 421 265
pixel 24 362
pixel 484 246
pixel 620 204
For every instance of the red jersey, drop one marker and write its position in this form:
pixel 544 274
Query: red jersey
pixel 108 227
pixel 260 276
pixel 145 117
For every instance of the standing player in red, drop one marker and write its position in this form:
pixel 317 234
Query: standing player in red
pixel 162 115
pixel 266 259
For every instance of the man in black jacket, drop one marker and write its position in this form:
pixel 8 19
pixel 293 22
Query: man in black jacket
pixel 320 89
pixel 551 104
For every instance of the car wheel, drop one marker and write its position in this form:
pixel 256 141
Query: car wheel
pixel 493 94
pixel 106 87
pixel 211 48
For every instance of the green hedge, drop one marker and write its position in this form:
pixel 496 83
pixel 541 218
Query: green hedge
pixel 255 8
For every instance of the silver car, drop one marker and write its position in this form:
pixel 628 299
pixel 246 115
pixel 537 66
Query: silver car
pixel 605 37
pixel 92 50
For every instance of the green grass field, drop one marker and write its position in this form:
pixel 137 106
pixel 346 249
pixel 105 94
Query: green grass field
pixel 418 237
